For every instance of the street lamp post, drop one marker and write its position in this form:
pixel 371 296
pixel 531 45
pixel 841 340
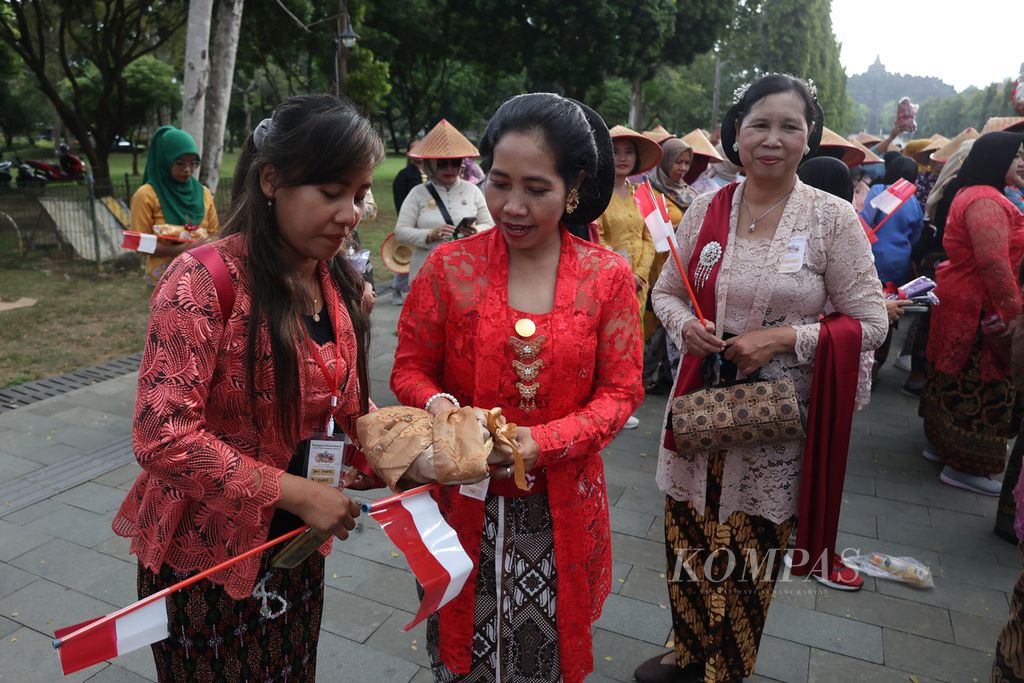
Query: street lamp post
pixel 344 40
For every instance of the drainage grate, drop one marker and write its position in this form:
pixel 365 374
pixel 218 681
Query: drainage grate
pixel 43 483
pixel 30 392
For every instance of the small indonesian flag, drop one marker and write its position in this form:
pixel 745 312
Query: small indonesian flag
pixel 135 629
pixel 139 241
pixel 414 524
pixel 655 214
pixel 894 196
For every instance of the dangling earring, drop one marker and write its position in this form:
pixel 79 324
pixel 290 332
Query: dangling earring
pixel 735 146
pixel 572 202
pixel 270 203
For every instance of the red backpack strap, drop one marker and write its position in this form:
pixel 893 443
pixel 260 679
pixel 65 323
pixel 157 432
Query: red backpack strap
pixel 214 263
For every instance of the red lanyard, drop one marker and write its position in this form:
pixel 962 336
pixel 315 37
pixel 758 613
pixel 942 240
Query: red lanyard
pixel 332 382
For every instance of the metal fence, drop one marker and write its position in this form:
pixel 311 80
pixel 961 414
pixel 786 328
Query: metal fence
pixel 68 220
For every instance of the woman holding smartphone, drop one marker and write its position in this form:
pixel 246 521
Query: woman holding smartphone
pixel 446 206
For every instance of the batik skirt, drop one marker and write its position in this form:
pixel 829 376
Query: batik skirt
pixel 269 636
pixel 721 576
pixel 1008 666
pixel 515 635
pixel 969 421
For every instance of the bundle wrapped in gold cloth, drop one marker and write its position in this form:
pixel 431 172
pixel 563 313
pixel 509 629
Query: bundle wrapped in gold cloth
pixel 408 446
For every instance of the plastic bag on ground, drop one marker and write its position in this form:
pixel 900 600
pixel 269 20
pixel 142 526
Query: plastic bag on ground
pixel 882 566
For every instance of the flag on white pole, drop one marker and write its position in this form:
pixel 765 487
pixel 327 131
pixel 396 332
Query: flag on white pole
pixel 139 241
pixel 136 629
pixel 655 215
pixel 414 524
pixel 893 196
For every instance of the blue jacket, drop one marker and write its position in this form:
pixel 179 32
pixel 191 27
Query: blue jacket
pixel 896 238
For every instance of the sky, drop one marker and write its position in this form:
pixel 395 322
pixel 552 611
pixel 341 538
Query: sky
pixel 932 38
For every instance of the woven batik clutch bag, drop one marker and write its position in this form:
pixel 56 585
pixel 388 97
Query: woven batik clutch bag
pixel 744 413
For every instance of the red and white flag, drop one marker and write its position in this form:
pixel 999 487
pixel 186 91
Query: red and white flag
pixel 139 628
pixel 894 196
pixel 139 241
pixel 414 524
pixel 655 215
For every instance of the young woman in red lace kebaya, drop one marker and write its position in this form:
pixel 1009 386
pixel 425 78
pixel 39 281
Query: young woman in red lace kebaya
pixel 545 326
pixel 227 400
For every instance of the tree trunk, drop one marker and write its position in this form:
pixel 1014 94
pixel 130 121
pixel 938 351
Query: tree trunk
pixel 223 49
pixel 246 115
pixel 636 103
pixel 134 140
pixel 197 69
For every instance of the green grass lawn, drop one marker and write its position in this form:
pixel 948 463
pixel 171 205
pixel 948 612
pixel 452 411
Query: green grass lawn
pixel 83 317
pixel 372 232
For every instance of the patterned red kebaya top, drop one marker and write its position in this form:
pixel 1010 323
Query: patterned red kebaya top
pixel 457 335
pixel 211 465
pixel 984 239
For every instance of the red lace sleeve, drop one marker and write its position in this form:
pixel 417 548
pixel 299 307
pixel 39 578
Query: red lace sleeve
pixel 617 384
pixel 170 436
pixel 416 373
pixel 988 225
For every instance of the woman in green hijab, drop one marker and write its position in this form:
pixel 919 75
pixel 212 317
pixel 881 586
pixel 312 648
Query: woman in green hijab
pixel 171 203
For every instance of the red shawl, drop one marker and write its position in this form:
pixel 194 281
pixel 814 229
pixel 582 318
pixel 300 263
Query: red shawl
pixel 829 421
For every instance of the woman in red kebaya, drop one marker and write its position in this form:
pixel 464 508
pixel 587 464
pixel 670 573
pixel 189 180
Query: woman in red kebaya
pixel 229 395
pixel 545 326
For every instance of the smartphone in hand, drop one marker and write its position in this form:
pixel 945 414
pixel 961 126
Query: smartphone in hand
pixel 465 228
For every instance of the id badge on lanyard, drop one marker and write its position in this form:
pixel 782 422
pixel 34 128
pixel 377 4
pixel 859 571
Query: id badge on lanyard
pixel 328 457
pixel 328 454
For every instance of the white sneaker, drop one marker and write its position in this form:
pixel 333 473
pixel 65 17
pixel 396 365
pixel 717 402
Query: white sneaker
pixel 903 362
pixel 985 486
pixel 631 423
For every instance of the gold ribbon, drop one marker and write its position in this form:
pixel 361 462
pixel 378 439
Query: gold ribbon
pixel 504 432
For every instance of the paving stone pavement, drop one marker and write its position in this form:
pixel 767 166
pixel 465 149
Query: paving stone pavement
pixel 60 562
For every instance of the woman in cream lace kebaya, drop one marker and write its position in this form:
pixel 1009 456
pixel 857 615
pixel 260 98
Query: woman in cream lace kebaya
pixel 789 249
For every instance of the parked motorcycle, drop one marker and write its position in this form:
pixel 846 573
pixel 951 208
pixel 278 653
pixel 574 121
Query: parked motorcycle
pixel 29 176
pixel 69 167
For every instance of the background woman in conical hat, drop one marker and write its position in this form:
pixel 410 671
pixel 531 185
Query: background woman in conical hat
pixel 422 223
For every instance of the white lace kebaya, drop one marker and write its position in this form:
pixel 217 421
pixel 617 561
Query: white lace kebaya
pixel 751 294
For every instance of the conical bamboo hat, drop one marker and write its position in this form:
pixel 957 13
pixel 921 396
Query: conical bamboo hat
pixel 444 141
pixel 853 152
pixel 867 139
pixel 997 123
pixel 648 151
pixel 700 144
pixel 943 154
pixel 659 134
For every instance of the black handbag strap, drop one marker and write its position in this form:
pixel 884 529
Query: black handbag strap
pixel 711 372
pixel 440 204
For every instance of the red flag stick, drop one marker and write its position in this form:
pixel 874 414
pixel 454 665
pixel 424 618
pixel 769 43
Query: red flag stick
pixel 686 281
pixel 675 255
pixel 160 594
pixel 879 226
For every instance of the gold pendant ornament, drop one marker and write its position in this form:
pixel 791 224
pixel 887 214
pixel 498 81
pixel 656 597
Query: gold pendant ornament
pixel 525 328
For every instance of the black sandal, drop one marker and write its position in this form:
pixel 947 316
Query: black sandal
pixel 653 671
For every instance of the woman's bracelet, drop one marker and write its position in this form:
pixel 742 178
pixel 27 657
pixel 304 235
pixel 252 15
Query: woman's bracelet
pixel 455 401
